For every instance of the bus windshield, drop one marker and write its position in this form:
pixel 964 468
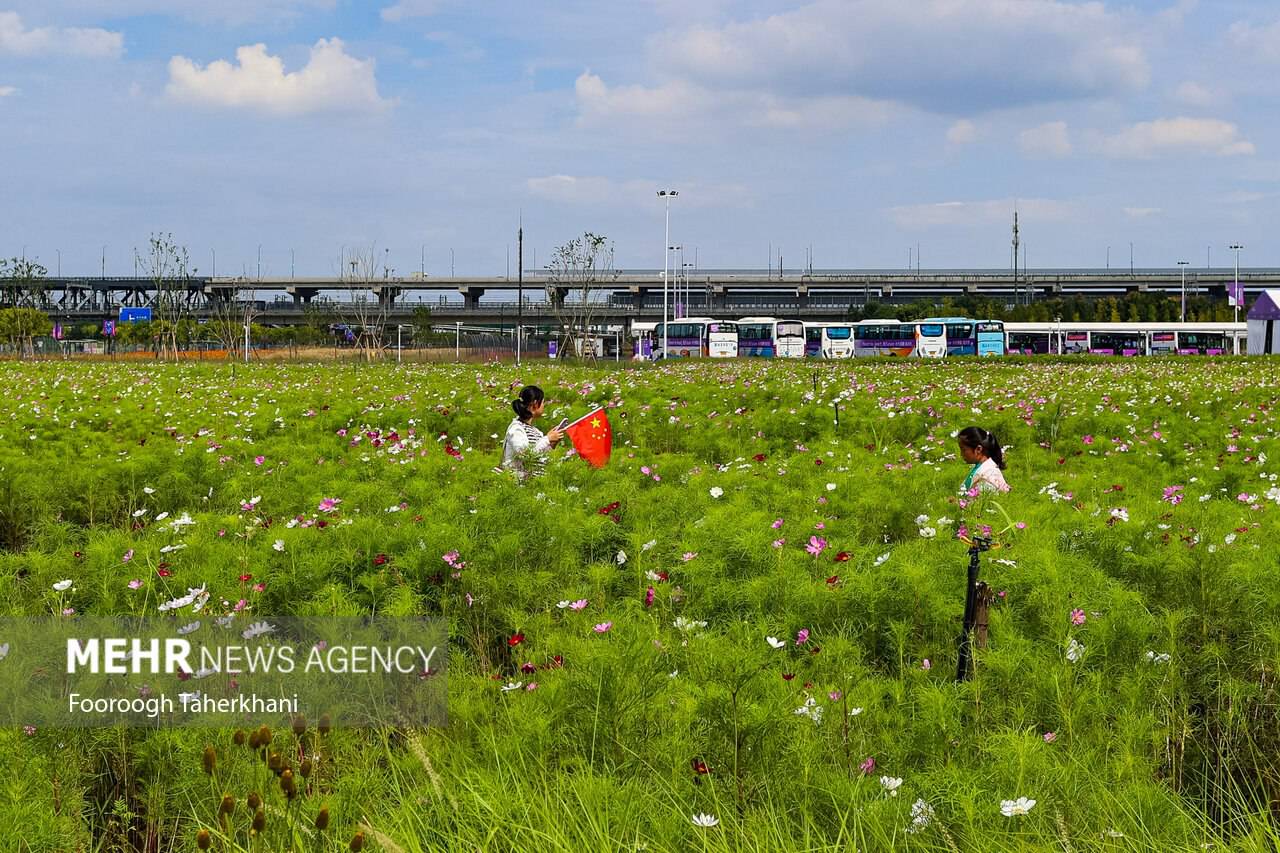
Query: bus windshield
pixel 839 333
pixel 791 329
pixel 931 330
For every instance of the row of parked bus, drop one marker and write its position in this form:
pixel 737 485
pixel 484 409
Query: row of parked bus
pixel 932 337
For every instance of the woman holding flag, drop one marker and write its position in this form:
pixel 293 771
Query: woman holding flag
pixel 525 448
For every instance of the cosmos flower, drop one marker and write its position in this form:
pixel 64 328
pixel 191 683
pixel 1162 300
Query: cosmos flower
pixel 1020 806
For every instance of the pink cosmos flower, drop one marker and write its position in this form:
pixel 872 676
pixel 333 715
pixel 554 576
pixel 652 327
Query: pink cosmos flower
pixel 128 555
pixel 1077 617
pixel 603 627
pixel 689 555
pixel 258 460
pixel 816 545
pixel 820 526
pixel 329 504
pixel 135 583
pixel 778 543
pixel 868 766
pixel 777 524
pixel 579 604
pixel 648 597
pixel 1050 737
pixel 834 695
pixel 646 470
pixel 1087 439
pixel 926 665
pixel 802 636
pixel 450 557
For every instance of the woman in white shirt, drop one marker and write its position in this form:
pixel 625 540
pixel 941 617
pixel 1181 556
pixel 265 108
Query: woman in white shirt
pixel 980 449
pixel 525 448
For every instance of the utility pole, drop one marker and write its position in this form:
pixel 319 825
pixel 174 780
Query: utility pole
pixel 1016 292
pixel 519 286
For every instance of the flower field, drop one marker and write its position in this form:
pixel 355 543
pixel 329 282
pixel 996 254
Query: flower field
pixel 739 635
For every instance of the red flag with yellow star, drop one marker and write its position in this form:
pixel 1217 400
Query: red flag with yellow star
pixel 592 437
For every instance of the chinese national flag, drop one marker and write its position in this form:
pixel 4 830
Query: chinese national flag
pixel 592 437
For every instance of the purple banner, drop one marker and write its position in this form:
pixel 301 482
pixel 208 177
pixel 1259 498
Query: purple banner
pixel 1235 294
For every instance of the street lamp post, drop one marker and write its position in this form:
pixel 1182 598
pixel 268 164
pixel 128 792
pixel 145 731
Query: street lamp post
pixel 666 196
pixel 259 262
pixel 676 305
pixel 1236 293
pixel 1183 265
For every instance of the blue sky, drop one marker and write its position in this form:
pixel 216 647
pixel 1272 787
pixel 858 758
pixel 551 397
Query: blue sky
pixel 861 128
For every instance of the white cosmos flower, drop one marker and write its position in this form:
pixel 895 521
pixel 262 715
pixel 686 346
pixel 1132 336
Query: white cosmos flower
pixel 62 586
pixel 563 604
pixel 621 558
pixel 831 487
pixel 512 685
pixel 648 545
pixel 1022 805
pixel 853 712
pixel 922 520
pixel 183 601
pixel 921 816
pixel 928 532
pixel 187 629
pixel 684 624
pixel 4 650
pixel 147 490
pixel 705 820
pixel 278 545
pixel 716 491
pixel 891 784
pixel 1075 650
pixel 162 516
pixel 256 629
pixel 880 561
pixel 775 642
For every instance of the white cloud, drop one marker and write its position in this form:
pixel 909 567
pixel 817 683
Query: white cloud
pixel 1194 94
pixel 6 91
pixel 679 102
pixel 943 55
pixel 1260 43
pixel 17 40
pixel 1047 140
pixel 962 132
pixel 332 80
pixel 1171 135
pixel 980 213
pixel 1141 212
pixel 410 9
pixel 600 191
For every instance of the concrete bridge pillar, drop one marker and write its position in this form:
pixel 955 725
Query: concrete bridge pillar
pixel 638 295
pixel 387 295
pixel 802 296
pixel 471 296
pixel 719 297
pixel 302 295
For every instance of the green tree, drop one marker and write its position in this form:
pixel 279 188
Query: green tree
pixel 21 326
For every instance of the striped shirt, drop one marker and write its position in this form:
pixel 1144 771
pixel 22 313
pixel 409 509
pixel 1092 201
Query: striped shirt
pixel 525 450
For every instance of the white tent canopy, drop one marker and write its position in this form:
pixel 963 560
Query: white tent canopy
pixel 1264 324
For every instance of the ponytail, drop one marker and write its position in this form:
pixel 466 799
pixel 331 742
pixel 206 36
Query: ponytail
pixel 976 436
pixel 530 395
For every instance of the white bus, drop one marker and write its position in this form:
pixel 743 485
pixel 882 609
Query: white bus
pixel 931 339
pixel 770 337
pixel 828 340
pixel 696 337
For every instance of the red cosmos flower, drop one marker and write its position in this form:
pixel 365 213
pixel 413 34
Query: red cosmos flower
pixel 842 557
pixel 787 676
pixel 527 668
pixel 556 663
pixel 833 581
pixel 380 560
pixel 664 575
pixel 648 597
pixel 609 508
pixel 699 767
pixel 163 565
pixel 452 451
pixel 322 524
pixel 808 685
pixel 515 640
pixel 759 457
pixel 164 573
pixel 246 578
pixel 1061 461
pixel 813 650
pixel 78 555
pixel 817 462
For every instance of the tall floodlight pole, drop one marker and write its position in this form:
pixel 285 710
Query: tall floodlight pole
pixel 519 286
pixel 1237 293
pixel 666 196
pixel 1183 265
pixel 675 285
pixel 213 253
pixel 259 262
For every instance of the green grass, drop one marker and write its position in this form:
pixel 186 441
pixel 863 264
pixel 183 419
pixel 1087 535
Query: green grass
pixel 1144 755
